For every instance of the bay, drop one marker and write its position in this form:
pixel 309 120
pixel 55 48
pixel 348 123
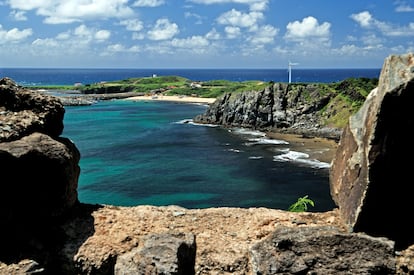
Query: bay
pixel 136 153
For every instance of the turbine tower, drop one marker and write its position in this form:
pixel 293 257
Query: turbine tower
pixel 290 70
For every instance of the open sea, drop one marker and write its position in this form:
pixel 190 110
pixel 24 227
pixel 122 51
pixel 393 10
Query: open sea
pixel 136 153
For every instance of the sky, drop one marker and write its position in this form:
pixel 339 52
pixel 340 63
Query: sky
pixel 203 33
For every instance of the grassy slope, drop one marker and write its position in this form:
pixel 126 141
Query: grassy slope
pixel 346 96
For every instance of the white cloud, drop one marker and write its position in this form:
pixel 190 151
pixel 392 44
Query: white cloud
pixel 213 35
pixel 18 15
pixel 132 24
pixel 255 5
pixel 118 48
pixel 309 27
pixel 138 36
pixel 199 18
pixel 13 35
pixel 402 6
pixel 239 19
pixel 232 32
pixel 69 11
pixel 191 42
pixel 367 21
pixel 45 43
pixel 163 30
pixel 264 35
pixel 102 35
pixel 364 19
pixel 148 3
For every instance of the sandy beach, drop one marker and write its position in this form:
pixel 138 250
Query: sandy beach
pixel 317 148
pixel 184 99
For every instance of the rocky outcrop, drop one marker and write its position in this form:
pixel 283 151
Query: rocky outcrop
pixel 168 253
pixel 39 170
pixel 322 250
pixel 23 112
pixel 289 108
pixel 371 172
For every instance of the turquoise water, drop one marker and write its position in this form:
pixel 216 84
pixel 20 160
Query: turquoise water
pixel 136 153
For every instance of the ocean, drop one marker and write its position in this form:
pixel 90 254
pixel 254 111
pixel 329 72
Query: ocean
pixel 150 153
pixel 36 77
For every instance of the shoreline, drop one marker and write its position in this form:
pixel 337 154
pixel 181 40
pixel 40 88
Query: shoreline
pixel 173 98
pixel 321 149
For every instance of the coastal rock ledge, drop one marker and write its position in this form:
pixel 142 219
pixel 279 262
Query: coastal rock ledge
pixel 44 229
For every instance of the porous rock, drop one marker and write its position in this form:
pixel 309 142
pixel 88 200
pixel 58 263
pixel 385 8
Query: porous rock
pixel 168 254
pixel 23 111
pixel 370 174
pixel 322 250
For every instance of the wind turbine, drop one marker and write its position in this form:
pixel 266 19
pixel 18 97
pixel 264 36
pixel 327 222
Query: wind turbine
pixel 290 70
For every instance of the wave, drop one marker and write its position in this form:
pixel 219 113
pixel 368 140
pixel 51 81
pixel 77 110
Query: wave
pixel 190 121
pixel 265 141
pixel 234 150
pixel 301 158
pixel 244 131
pixel 255 157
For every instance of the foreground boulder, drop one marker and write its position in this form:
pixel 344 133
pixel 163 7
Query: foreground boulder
pixel 39 172
pixel 39 177
pixel 322 250
pixel 172 254
pixel 371 173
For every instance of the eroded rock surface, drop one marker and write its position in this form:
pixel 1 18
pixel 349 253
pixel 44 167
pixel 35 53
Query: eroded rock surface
pixel 23 112
pixel 370 175
pixel 322 250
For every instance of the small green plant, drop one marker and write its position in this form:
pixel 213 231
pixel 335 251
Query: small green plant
pixel 301 205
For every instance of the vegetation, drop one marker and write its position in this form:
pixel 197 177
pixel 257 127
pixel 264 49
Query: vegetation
pixel 168 85
pixel 343 98
pixel 301 205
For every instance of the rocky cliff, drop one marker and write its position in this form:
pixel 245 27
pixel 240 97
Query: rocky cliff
pixel 45 230
pixel 309 109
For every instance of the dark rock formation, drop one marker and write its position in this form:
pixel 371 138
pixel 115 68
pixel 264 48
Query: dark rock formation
pixel 289 108
pixel 23 111
pixel 39 172
pixel 322 250
pixel 371 172
pixel 39 177
pixel 169 254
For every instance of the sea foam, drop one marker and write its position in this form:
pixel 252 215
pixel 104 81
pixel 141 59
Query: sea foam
pixel 301 158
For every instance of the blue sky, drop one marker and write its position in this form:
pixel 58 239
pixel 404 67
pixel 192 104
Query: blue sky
pixel 204 33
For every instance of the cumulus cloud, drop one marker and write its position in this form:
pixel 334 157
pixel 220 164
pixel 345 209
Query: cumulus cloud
pixel 402 6
pixel 163 30
pixel 367 21
pixel 239 19
pixel 213 35
pixel 264 35
pixel 69 11
pixel 255 5
pixel 18 15
pixel 195 41
pixel 232 32
pixel 364 19
pixel 307 28
pixel 132 24
pixel 118 48
pixel 102 35
pixel 13 35
pixel 148 3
